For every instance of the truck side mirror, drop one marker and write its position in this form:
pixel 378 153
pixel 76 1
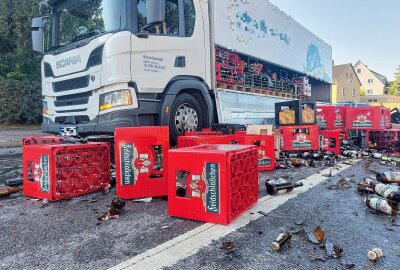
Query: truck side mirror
pixel 155 12
pixel 37 35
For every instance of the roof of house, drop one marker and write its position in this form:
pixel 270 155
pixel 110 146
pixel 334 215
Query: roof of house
pixel 380 77
pixel 339 70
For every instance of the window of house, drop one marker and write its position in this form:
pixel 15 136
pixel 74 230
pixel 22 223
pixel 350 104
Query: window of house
pixel 375 100
pixel 343 90
pixel 369 100
pixel 353 92
pixel 171 24
pixel 190 17
pixel 370 81
pixel 358 70
pixel 370 91
pixel 347 75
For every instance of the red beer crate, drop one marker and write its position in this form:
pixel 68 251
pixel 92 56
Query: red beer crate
pixel 330 141
pixel 265 148
pixel 42 140
pixel 331 117
pixel 57 172
pixel 371 117
pixel 189 141
pixel 221 182
pixel 299 138
pixel 388 140
pixel 141 161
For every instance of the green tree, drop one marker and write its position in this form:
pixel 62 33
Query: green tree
pixel 394 89
pixel 19 67
pixel 362 92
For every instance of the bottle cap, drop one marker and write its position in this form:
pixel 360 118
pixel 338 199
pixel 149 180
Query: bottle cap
pixel 275 246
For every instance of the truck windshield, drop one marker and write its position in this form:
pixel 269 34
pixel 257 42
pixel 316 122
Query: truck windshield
pixel 75 20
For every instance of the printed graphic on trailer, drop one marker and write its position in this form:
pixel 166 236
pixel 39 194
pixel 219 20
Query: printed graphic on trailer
pixel 206 187
pixel 133 163
pixel 41 173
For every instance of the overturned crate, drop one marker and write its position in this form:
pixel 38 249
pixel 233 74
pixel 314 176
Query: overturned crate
pixel 221 182
pixel 58 172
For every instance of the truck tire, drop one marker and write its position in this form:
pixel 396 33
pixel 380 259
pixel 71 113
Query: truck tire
pixel 186 115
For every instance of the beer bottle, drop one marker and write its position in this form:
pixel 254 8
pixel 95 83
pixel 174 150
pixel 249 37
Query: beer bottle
pixel 385 191
pixel 388 177
pixel 281 188
pixel 380 205
pixel 180 190
pixel 281 240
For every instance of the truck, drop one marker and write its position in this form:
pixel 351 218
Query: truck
pixel 185 64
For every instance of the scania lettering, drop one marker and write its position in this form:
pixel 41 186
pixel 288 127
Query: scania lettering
pixel 180 63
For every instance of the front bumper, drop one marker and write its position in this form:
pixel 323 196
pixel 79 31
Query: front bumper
pixel 105 124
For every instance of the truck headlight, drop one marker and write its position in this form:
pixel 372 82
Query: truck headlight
pixel 45 109
pixel 115 99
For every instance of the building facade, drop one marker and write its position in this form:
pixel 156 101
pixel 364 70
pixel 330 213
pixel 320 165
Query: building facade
pixel 346 85
pixel 373 83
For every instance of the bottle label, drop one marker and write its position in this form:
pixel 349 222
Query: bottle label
pixel 383 190
pixel 282 191
pixel 392 176
pixel 381 205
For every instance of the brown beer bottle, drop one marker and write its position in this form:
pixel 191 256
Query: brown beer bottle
pixel 380 205
pixel 281 188
pixel 281 240
pixel 388 177
pixel 180 190
pixel 385 191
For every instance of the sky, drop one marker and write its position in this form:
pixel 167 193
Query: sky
pixel 366 30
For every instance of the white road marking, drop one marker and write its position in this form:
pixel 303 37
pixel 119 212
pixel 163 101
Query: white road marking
pixel 168 253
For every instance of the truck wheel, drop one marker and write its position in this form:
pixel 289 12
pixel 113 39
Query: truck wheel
pixel 186 115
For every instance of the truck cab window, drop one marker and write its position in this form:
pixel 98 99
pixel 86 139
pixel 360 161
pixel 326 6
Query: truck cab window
pixel 190 17
pixel 171 25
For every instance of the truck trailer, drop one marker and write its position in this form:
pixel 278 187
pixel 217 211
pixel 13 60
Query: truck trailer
pixel 180 63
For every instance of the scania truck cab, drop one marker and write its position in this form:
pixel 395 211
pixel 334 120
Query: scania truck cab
pixel 180 63
pixel 121 63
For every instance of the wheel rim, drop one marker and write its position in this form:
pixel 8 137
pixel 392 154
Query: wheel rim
pixel 186 119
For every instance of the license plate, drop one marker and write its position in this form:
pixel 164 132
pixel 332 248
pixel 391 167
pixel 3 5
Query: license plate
pixel 68 131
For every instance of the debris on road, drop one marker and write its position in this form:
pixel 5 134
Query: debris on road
pixel 317 236
pixel 375 254
pixel 388 177
pixel 281 240
pixel 281 186
pixel 342 183
pixel 385 191
pixel 144 200
pixel 114 210
pixel 228 246
pixel 7 191
pixel 14 182
pixel 332 250
pixel 45 203
pixel 382 206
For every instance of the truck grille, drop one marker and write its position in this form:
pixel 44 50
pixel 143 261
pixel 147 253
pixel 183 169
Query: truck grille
pixel 71 84
pixel 72 120
pixel 72 100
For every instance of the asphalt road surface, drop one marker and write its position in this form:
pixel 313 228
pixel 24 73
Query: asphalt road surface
pixel 67 235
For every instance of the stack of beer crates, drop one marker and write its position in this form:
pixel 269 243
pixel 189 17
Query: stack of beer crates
pixel 297 123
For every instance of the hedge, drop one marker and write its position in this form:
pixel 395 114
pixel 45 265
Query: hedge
pixel 20 102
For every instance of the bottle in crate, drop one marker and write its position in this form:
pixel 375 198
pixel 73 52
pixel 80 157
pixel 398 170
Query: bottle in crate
pixel 140 160
pixel 296 112
pixel 221 181
pixel 330 141
pixel 57 172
